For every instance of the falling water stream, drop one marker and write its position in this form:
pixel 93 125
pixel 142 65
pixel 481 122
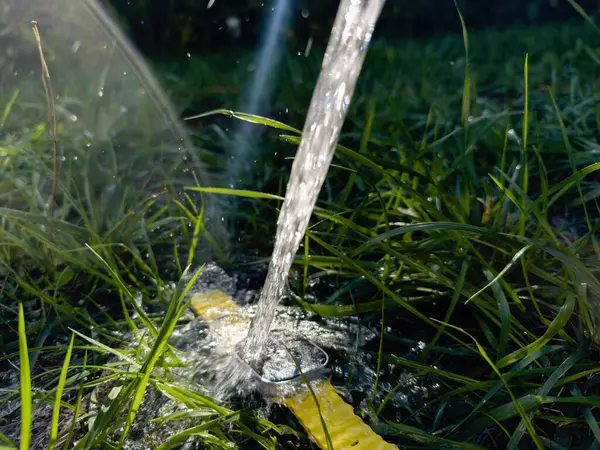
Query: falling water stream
pixel 351 33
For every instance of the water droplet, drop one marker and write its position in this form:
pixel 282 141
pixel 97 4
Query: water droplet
pixel 305 13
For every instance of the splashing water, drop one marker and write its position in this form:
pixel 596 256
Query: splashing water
pixel 210 347
pixel 351 33
pixel 120 140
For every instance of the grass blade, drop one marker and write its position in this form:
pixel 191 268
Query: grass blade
pixel 583 14
pixel 59 391
pixel 25 386
pixel 545 389
pixel 248 118
pixel 8 107
pixel 237 192
pixel 517 404
pixel 557 324
pixel 176 308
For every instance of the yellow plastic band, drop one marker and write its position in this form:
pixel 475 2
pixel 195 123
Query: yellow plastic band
pixel 346 430
pixel 211 305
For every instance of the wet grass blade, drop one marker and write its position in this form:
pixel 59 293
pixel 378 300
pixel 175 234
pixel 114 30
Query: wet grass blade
pixel 493 391
pixel 505 315
pixel 401 301
pixel 583 14
pixel 248 118
pixel 506 268
pixel 345 310
pixel 545 390
pixel 426 439
pixel 511 410
pixel 572 163
pixel 176 309
pixel 8 107
pixel 237 193
pixel 178 439
pixel 466 99
pixel 588 415
pixel 28 219
pixel 517 404
pixel 6 443
pixel 524 158
pixel 560 321
pixel 25 383
pixel 59 391
pixel 453 302
pixel 105 348
pixel 427 226
pixel 77 408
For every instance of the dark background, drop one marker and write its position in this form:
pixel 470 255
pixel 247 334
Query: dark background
pixel 172 28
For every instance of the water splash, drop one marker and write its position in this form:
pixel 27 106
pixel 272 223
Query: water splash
pixel 121 139
pixel 351 33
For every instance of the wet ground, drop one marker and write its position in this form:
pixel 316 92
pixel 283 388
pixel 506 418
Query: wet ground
pixel 206 349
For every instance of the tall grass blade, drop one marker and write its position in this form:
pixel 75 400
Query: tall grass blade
pixel 588 415
pixel 505 315
pixel 524 159
pixel 466 99
pixel 25 385
pixel 248 118
pixel 559 322
pixel 59 391
pixel 517 404
pixel 545 390
pixel 583 14
pixel 506 268
pixel 237 192
pixel 176 308
pixel 8 107
pixel 77 408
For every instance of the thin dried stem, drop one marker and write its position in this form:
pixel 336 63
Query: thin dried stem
pixel 51 114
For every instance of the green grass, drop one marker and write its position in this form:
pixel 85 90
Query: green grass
pixel 435 227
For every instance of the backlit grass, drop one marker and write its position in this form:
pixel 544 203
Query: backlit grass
pixel 459 219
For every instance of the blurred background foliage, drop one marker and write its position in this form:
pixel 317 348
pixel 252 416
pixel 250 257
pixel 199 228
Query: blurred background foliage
pixel 175 27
